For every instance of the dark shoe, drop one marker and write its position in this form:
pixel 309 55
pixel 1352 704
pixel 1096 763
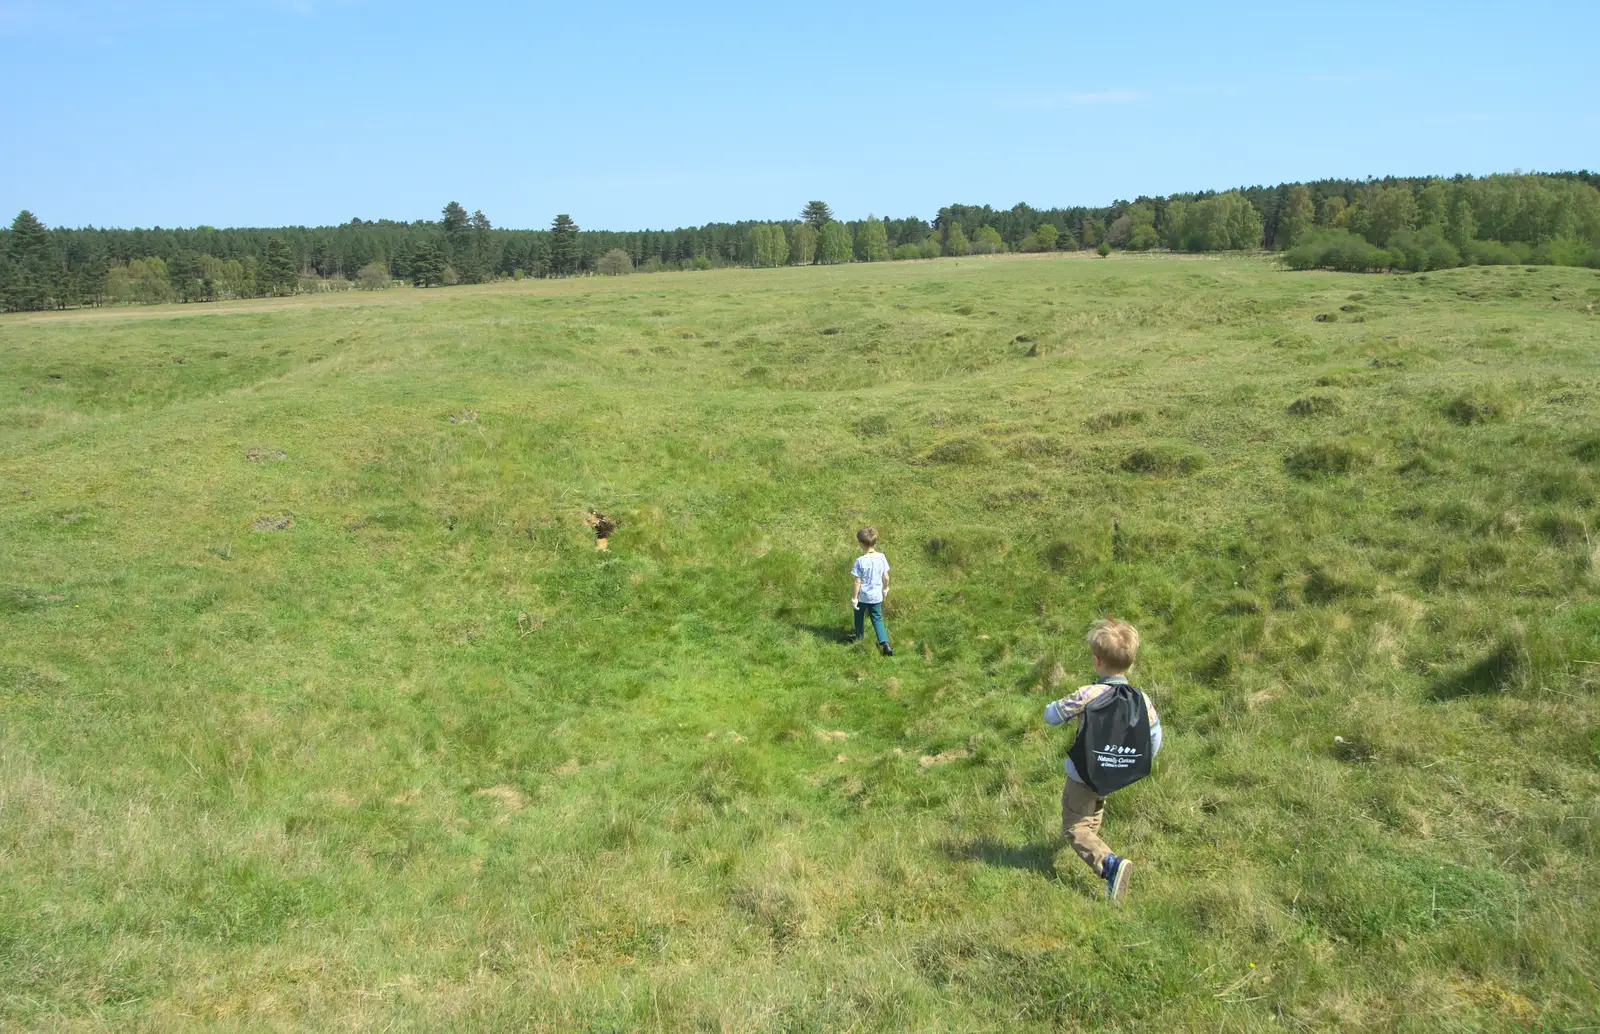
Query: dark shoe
pixel 884 649
pixel 1116 874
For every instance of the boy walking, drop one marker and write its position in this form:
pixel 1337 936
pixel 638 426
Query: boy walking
pixel 1119 753
pixel 871 573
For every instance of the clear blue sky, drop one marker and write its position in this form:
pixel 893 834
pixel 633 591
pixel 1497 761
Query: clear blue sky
pixel 629 115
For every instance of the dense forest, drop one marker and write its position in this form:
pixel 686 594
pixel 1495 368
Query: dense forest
pixel 1392 223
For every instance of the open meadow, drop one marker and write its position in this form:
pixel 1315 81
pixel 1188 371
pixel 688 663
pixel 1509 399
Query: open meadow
pixel 320 711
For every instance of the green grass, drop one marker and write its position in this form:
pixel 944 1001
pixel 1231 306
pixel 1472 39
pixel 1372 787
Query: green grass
pixel 414 756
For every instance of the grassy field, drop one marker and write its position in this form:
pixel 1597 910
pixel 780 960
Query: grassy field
pixel 319 710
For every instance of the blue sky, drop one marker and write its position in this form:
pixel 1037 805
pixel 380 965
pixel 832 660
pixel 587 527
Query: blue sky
pixel 626 115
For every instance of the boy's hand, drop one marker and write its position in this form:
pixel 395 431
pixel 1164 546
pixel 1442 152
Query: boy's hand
pixel 856 604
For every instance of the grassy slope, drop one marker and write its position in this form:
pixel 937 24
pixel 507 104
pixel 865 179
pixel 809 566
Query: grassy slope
pixel 327 777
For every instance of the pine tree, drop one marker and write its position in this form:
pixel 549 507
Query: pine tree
pixel 471 252
pixel 454 219
pixel 565 250
pixel 278 274
pixel 35 274
pixel 816 214
pixel 427 265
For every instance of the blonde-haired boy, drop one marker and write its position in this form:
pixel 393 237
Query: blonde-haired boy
pixel 1113 647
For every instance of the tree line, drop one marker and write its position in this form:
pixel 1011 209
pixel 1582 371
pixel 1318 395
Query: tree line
pixel 1392 223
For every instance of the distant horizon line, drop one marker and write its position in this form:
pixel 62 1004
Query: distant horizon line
pixel 1581 174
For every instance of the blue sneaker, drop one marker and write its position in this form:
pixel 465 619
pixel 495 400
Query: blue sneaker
pixel 1115 871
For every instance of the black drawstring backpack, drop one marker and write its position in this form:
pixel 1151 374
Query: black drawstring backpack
pixel 1113 745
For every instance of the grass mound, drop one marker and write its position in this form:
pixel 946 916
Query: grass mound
pixel 1475 407
pixel 1164 459
pixel 1316 404
pixel 1330 456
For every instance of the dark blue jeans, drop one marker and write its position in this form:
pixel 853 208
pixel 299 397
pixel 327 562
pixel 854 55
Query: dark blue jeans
pixel 875 612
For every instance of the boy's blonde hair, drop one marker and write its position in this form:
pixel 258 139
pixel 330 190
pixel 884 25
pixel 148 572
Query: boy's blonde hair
pixel 867 537
pixel 1115 642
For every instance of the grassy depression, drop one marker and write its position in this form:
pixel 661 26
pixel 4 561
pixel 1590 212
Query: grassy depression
pixel 318 709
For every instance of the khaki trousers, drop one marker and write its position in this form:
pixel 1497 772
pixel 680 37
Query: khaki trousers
pixel 1081 811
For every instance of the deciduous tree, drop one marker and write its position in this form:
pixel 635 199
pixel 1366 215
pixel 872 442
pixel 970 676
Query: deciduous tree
pixel 614 263
pixel 374 276
pixel 1298 216
pixel 872 241
pixel 833 243
pixel 955 240
pixel 986 241
pixel 803 244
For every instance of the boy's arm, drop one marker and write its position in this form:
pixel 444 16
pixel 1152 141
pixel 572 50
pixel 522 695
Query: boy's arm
pixel 855 597
pixel 1070 706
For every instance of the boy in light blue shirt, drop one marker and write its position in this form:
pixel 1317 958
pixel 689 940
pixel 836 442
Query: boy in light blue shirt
pixel 871 573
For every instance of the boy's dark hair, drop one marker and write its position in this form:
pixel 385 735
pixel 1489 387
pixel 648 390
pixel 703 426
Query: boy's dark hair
pixel 867 536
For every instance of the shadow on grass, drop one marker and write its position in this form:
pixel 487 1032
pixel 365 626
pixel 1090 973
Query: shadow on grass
pixel 827 633
pixel 1039 858
pixel 1494 673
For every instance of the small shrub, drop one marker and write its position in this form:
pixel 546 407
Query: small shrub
pixel 959 450
pixel 1422 250
pixel 1164 458
pixel 1316 405
pixel 1490 253
pixel 1332 456
pixel 615 262
pixel 1336 249
pixel 1473 407
pixel 1103 250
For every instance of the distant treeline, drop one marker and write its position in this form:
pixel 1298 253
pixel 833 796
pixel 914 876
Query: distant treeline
pixel 1393 223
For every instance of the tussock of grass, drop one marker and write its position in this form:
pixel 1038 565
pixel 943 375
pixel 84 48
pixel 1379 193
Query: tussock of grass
pixel 1331 456
pixel 1114 418
pixel 960 450
pixel 1474 407
pixel 1164 458
pixel 1316 405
